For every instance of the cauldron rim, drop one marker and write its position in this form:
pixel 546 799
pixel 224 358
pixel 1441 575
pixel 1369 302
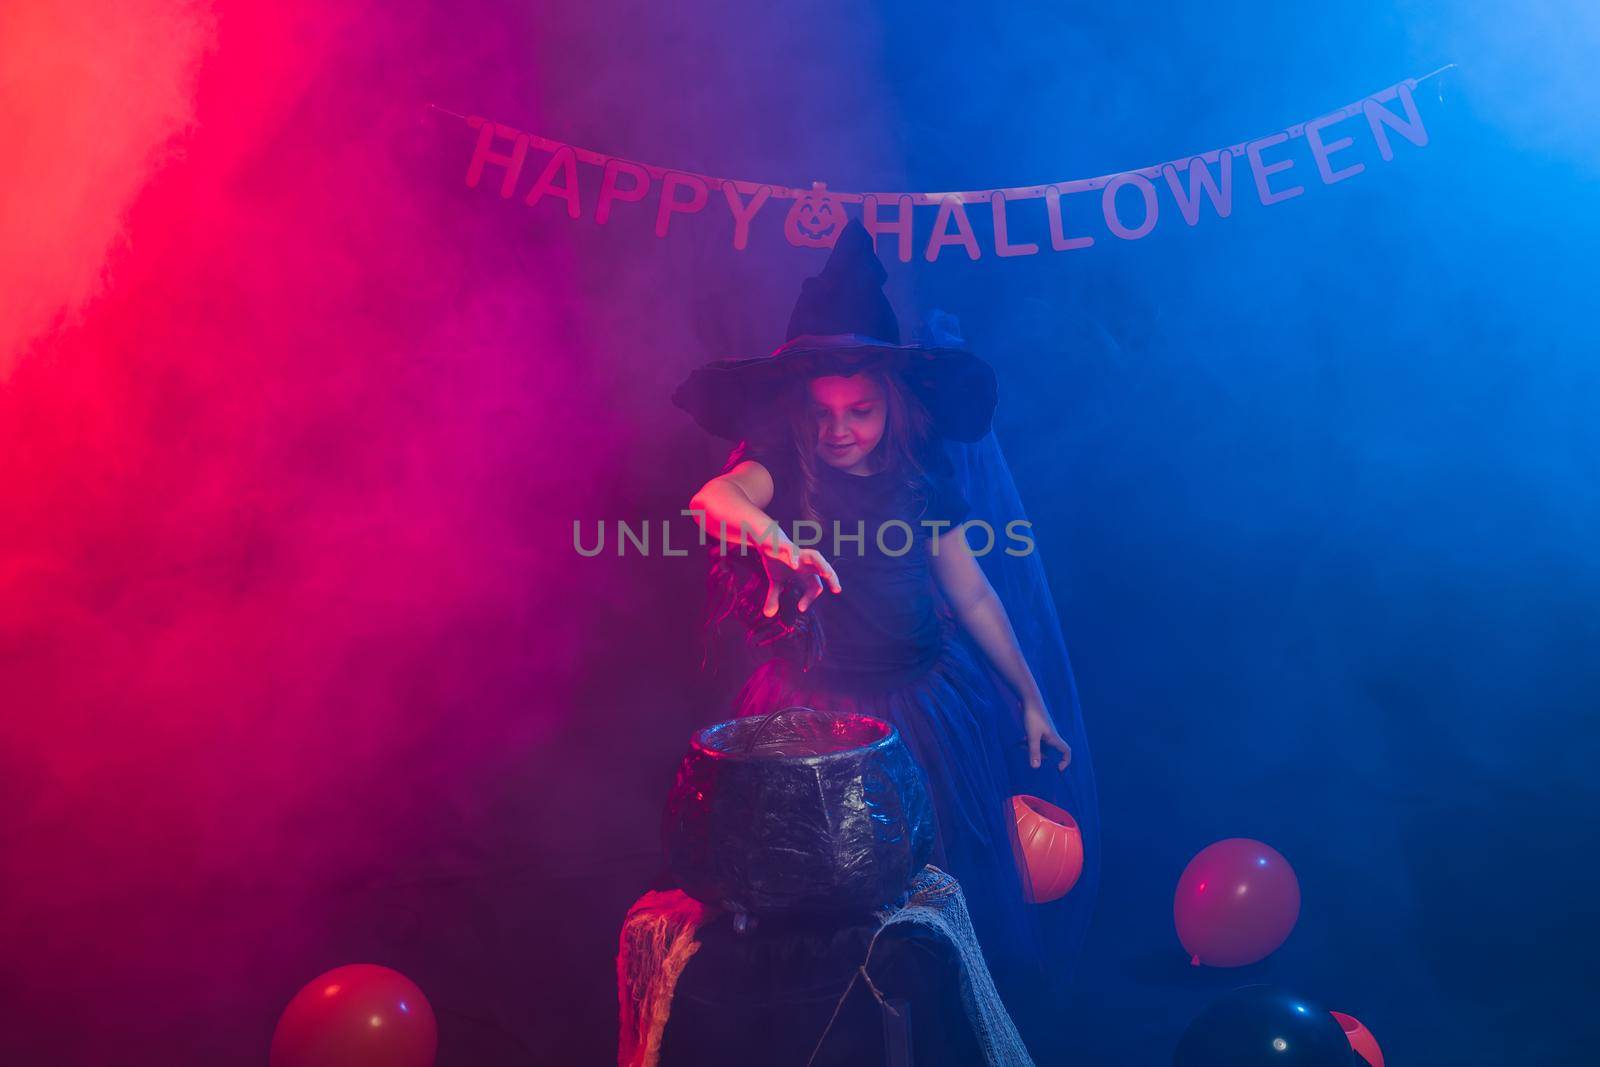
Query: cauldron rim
pixel 697 742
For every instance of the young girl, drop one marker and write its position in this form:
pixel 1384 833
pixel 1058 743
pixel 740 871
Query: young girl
pixel 886 609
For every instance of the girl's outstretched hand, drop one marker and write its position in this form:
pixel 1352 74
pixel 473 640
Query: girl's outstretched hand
pixel 1042 729
pixel 787 562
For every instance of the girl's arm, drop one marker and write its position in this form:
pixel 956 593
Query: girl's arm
pixel 978 608
pixel 730 505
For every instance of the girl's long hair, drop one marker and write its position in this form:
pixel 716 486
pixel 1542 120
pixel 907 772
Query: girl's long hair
pixel 736 582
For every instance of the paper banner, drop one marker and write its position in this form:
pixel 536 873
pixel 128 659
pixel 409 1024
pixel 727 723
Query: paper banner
pixel 1193 185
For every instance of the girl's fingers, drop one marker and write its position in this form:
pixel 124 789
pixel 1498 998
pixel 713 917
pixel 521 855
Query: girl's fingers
pixel 770 608
pixel 812 593
pixel 825 569
pixel 1055 742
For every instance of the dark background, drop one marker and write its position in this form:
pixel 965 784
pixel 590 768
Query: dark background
pixel 299 667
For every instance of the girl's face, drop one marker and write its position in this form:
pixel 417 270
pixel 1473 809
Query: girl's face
pixel 850 414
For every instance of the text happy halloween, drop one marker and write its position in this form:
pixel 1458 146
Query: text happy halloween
pixel 815 216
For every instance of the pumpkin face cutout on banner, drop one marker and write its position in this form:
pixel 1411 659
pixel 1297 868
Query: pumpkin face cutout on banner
pixel 816 218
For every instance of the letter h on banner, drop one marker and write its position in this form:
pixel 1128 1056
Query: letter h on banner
pixel 900 227
pixel 483 153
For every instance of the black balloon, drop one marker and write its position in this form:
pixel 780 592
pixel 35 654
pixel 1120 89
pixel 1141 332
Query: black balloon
pixel 1264 1026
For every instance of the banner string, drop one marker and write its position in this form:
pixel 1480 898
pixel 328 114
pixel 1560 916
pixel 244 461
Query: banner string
pixel 966 196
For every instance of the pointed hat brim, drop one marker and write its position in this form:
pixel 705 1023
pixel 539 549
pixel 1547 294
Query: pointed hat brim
pixel 733 398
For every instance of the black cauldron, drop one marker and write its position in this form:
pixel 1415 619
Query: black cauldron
pixel 800 812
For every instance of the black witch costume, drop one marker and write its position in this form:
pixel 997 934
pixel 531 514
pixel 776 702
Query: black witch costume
pixel 886 645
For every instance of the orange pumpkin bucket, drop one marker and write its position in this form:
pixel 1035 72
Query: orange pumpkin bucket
pixel 1050 848
pixel 1361 1038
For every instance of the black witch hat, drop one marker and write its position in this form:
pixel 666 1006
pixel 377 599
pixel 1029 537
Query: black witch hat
pixel 842 324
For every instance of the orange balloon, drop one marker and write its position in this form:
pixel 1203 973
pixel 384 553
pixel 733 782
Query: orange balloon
pixel 359 1015
pixel 1051 848
pixel 1236 902
pixel 1361 1038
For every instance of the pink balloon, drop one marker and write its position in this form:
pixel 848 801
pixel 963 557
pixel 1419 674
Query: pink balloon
pixel 359 1015
pixel 1236 903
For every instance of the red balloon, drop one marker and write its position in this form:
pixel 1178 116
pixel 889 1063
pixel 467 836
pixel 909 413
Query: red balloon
pixel 1050 848
pixel 359 1015
pixel 1361 1038
pixel 1236 903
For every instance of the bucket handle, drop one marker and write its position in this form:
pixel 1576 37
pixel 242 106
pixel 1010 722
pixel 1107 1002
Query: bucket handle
pixel 755 734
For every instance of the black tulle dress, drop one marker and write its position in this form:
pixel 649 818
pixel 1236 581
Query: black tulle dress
pixel 892 651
